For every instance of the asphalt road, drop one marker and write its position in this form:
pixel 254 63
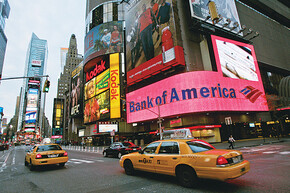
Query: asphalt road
pixel 91 172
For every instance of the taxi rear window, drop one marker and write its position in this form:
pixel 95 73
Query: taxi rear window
pixel 198 147
pixel 48 148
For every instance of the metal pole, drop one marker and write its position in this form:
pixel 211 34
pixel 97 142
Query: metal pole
pixel 11 78
pixel 159 122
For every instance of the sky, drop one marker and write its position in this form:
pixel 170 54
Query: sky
pixel 51 20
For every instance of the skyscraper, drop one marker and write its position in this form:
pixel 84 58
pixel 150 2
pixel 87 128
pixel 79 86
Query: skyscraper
pixel 4 14
pixel 72 60
pixel 32 99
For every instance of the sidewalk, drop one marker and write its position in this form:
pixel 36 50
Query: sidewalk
pixel 250 142
pixel 223 145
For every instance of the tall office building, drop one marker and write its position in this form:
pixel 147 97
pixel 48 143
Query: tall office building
pixel 63 53
pixel 4 14
pixel 32 98
pixel 72 60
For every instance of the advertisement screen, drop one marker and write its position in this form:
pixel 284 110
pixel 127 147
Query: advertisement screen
pixel 104 39
pixel 108 127
pixel 30 117
pixel 192 92
pixel 97 108
pixel 236 60
pixel 76 90
pixel 151 39
pixel 102 90
pixel 32 98
pixel 226 8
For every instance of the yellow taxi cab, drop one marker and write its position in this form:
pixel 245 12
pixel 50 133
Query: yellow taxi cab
pixel 188 160
pixel 45 154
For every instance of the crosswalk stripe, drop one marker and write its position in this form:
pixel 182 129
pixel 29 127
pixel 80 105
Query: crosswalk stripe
pixel 80 160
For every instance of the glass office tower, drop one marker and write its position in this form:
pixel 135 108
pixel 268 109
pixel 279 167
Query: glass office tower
pixel 4 14
pixel 32 97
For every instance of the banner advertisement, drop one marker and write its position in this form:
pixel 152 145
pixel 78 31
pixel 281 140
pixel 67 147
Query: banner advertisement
pixel 103 39
pixel 97 108
pixel 225 8
pixel 32 98
pixel 102 90
pixel 76 90
pixel 151 35
pixel 108 128
pixel 236 86
pixel 115 86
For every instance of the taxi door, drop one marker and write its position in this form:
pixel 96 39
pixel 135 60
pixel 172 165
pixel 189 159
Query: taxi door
pixel 145 160
pixel 167 158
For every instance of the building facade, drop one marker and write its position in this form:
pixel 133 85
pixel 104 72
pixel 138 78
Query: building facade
pixel 4 14
pixel 212 67
pixel 32 99
pixel 72 60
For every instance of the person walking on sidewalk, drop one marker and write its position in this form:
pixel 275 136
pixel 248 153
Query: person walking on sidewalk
pixel 231 142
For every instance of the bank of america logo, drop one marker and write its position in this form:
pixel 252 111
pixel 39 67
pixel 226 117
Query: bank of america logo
pixel 251 93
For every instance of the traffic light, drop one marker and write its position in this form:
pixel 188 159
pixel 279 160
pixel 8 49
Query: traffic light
pixel 46 86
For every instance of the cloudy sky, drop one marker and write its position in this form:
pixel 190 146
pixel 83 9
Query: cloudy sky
pixel 51 20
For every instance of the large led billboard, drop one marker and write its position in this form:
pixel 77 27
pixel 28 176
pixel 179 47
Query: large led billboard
pixel 225 8
pixel 32 98
pixel 76 90
pixel 102 88
pixel 103 39
pixel 31 108
pixel 152 43
pixel 203 91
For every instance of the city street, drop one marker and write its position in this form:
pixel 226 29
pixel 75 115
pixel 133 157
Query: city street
pixel 91 172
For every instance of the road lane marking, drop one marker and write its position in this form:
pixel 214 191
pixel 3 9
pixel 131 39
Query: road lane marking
pixel 80 160
pixel 285 152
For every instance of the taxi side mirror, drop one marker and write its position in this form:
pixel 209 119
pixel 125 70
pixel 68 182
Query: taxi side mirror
pixel 140 151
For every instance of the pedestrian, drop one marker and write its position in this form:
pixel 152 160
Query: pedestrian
pixel 231 142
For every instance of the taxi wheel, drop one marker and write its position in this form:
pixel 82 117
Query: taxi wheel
pixel 186 176
pixel 32 167
pixel 105 154
pixel 129 169
pixel 119 155
pixel 25 162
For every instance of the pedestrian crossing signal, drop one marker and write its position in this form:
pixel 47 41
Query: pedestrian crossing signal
pixel 46 86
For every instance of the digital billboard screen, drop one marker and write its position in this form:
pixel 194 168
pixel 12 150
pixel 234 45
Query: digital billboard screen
pixel 235 60
pixel 32 98
pixel 97 108
pixel 225 8
pixel 103 39
pixel 203 91
pixel 76 90
pixel 151 39
pixel 102 88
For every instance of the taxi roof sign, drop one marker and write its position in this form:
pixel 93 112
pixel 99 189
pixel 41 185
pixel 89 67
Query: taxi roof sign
pixel 46 140
pixel 177 134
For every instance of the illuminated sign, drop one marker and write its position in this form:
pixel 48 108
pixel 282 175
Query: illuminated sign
pixel 36 63
pixel 103 39
pixel 102 90
pixel 76 90
pixel 108 127
pixel 192 92
pixel 225 8
pixel 144 55
pixel 115 86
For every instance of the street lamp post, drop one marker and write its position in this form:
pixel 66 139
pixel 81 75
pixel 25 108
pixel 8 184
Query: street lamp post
pixel 160 119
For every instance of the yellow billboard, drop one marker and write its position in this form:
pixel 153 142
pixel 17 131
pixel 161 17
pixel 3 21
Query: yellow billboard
pixel 115 86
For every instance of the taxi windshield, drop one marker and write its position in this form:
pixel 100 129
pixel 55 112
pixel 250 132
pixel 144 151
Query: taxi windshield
pixel 48 148
pixel 198 147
